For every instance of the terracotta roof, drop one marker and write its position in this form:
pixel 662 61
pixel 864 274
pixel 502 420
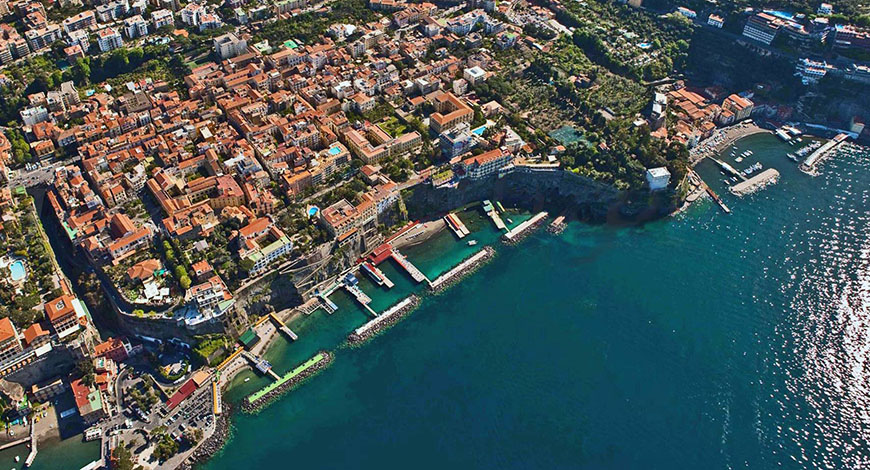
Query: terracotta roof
pixel 59 308
pixel 7 330
pixel 32 332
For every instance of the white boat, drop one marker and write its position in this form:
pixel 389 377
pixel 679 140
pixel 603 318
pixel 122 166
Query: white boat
pixel 472 242
pixel 247 379
pixel 17 458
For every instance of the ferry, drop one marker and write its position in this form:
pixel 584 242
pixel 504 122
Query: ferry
pixel 372 273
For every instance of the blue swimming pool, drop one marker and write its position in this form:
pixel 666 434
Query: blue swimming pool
pixel 17 270
pixel 479 131
pixel 312 211
pixel 334 151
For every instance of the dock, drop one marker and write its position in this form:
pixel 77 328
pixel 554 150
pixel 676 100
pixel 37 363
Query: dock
pixel 758 181
pixel 260 364
pixel 717 199
pixel 489 209
pixel 384 316
pixel 517 233
pixel 822 152
pixel 464 268
pixel 283 328
pixel 456 225
pixel 729 169
pixel 557 226
pixel 351 284
pixel 327 304
pixel 377 275
pixel 217 408
pixel 412 270
pixel 32 455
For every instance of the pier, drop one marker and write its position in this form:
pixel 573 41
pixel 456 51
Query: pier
pixel 462 269
pixel 455 224
pixel 717 199
pixel 351 284
pixel 32 455
pixel 489 209
pixel 557 226
pixel 729 169
pixel 327 304
pixel 758 181
pixel 415 273
pixel 263 396
pixel 381 320
pixel 520 231
pixel 377 275
pixel 217 408
pixel 283 328
pixel 822 152
pixel 260 364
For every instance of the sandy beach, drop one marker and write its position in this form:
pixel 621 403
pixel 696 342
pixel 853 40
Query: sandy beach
pixel 722 139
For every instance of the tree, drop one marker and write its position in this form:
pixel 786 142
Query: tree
pixel 123 459
pixel 184 281
pixel 86 368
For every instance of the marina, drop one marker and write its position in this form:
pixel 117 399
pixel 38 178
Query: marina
pixel 376 275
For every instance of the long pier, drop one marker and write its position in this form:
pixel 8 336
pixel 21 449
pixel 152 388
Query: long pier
pixel 729 169
pixel 32 455
pixel 490 211
pixel 415 273
pixel 217 408
pixel 373 324
pixel 517 233
pixel 717 199
pixel 465 267
pixel 283 328
pixel 822 152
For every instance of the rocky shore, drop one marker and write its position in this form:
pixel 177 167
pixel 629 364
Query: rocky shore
pixel 466 267
pixel 213 443
pixel 257 405
pixel 383 321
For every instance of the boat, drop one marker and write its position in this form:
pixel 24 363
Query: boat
pixel 472 242
pixel 17 458
pixel 510 221
pixel 247 379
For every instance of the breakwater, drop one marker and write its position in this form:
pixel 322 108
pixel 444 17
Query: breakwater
pixel 260 399
pixel 213 443
pixel 462 269
pixel 521 231
pixel 766 177
pixel 383 321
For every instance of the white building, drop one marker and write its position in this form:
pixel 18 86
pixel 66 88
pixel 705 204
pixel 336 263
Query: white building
pixel 474 75
pixel 135 26
pixel 811 71
pixel 191 14
pixel 687 13
pixel 34 115
pixel 658 178
pixel 109 39
pixel 825 9
pixel 162 18
pixel 229 45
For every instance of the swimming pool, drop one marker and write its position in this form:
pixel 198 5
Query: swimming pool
pixel 312 211
pixel 334 151
pixel 17 270
pixel 479 131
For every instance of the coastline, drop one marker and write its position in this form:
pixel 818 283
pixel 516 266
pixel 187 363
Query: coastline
pixel 721 139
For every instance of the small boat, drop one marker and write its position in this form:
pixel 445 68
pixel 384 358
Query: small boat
pixel 247 379
pixel 472 242
pixel 17 458
pixel 510 221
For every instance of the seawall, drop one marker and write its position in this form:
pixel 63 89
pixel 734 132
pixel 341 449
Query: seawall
pixel 523 230
pixel 383 321
pixel 466 267
pixel 265 396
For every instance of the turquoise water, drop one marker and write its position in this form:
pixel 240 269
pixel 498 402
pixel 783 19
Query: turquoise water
pixel 334 150
pixel 699 341
pixel 17 270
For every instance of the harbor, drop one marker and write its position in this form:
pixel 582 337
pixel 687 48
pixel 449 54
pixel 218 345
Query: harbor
pixel 489 210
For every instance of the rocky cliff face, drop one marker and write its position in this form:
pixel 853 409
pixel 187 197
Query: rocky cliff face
pixel 578 196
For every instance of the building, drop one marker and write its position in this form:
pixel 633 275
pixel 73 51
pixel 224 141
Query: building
pixel 450 112
pixel 340 218
pixel 825 9
pixel 690 14
pixel 715 21
pixel 79 21
pixel 658 178
pixel 162 18
pixel 89 402
pixel 10 344
pixel 135 26
pixel 485 164
pixel 850 37
pixel 229 45
pixel 474 75
pixel 762 27
pixel 65 314
pixel 116 349
pixel 109 39
pixel 43 392
pixel 811 71
pixel 740 106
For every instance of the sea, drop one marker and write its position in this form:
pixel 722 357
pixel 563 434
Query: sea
pixel 701 340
